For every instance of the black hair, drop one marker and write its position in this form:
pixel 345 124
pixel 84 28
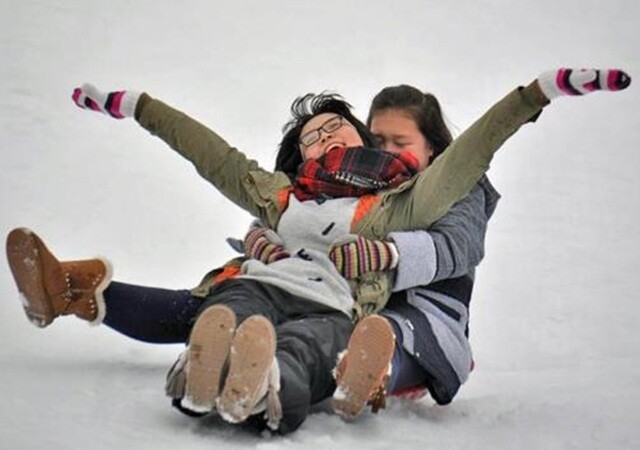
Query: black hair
pixel 422 106
pixel 303 109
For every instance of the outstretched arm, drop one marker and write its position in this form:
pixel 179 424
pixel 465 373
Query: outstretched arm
pixel 228 169
pixel 452 175
pixel 454 244
pixel 456 171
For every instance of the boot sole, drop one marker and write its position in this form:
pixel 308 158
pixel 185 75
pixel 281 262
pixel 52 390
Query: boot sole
pixel 370 350
pixel 209 345
pixel 252 353
pixel 24 259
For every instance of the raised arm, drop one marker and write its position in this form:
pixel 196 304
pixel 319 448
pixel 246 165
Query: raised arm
pixel 228 169
pixel 417 205
pixel 452 175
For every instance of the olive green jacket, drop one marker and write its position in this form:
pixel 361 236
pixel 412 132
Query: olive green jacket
pixel 415 204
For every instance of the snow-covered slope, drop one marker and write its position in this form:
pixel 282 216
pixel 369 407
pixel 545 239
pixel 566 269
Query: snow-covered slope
pixel 556 305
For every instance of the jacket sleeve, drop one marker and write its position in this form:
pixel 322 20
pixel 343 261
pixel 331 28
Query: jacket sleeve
pixel 452 247
pixel 228 169
pixel 459 236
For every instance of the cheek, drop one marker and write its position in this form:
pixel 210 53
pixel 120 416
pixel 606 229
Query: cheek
pixel 312 152
pixel 422 163
pixel 351 137
pixel 425 162
pixel 392 149
pixel 423 157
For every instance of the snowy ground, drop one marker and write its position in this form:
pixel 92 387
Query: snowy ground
pixel 555 310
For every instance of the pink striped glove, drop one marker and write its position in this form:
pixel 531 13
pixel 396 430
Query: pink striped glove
pixel 355 255
pixel 582 81
pixel 264 245
pixel 117 104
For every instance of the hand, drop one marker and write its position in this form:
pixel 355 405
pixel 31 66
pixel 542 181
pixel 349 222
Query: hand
pixel 117 104
pixel 355 255
pixel 555 83
pixel 264 245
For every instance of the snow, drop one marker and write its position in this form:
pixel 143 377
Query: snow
pixel 555 308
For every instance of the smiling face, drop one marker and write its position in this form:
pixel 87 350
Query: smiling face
pixel 397 132
pixel 331 131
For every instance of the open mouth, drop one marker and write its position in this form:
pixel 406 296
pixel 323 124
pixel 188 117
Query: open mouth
pixel 335 145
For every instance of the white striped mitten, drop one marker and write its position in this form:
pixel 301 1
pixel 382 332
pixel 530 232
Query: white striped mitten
pixel 555 83
pixel 117 104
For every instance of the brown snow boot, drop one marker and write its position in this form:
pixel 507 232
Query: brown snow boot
pixel 50 288
pixel 363 369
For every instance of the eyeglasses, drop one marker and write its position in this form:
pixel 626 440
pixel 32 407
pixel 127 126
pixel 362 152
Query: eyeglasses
pixel 331 125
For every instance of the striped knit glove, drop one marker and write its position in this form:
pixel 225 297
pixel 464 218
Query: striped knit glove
pixel 117 104
pixel 355 255
pixel 582 81
pixel 264 245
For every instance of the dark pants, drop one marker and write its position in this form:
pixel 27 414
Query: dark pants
pixel 407 373
pixel 158 316
pixel 309 335
pixel 309 338
pixel 428 364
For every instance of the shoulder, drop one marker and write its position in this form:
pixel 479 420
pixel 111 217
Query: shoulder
pixel 491 194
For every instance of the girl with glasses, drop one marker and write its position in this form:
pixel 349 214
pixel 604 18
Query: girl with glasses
pixel 264 342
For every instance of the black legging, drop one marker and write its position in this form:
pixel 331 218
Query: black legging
pixel 154 315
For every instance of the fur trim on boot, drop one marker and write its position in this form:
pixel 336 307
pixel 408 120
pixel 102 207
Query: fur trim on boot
pixel 50 288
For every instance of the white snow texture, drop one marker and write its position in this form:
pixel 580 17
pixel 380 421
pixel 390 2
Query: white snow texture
pixel 555 310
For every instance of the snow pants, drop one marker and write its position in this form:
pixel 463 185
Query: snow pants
pixel 309 335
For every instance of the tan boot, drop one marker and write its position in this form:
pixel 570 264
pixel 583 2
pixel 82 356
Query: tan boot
pixel 51 288
pixel 362 373
pixel 253 374
pixel 209 345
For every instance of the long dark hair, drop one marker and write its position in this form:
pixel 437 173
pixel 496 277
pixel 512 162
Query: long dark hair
pixel 422 106
pixel 303 109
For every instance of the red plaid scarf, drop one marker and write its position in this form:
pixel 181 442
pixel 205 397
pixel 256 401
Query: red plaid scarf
pixel 352 172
